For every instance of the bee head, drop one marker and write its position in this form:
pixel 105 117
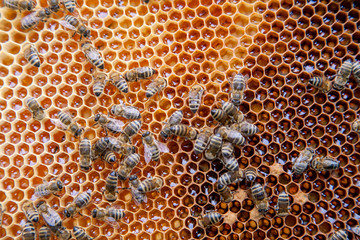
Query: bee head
pixel 67 213
pixel 132 177
pixel 87 33
pixel 86 168
pixel 145 134
pixel 94 213
pixel 60 185
pixel 220 186
pixel 47 11
pixel 39 204
pixel 97 117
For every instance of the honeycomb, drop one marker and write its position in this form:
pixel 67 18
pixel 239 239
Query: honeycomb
pixel 277 44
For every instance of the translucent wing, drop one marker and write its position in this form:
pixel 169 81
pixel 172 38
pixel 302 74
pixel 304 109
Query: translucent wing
pixel 115 122
pixel 49 217
pixel 67 25
pixel 111 221
pixel 59 124
pixel 132 110
pixel 162 146
pixel 93 54
pixel 45 192
pixel 147 153
pixel 137 196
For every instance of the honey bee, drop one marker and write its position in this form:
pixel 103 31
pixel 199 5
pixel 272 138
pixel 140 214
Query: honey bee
pixel 35 108
pixel 321 83
pixel 100 146
pixel 108 123
pixel 110 192
pixel 260 197
pixel 28 232
pixel 47 188
pixel 30 211
pixel 110 215
pixel 225 193
pixel 227 149
pixel 230 163
pixel 132 128
pixel 92 55
pixel 80 234
pixel 356 70
pixel 140 73
pixel 128 112
pixel 114 145
pixel 35 17
pixel 202 140
pixel 69 5
pixel 250 174
pixel 174 119
pixel 356 230
pixel 229 108
pixel 85 154
pixel 156 86
pixel 44 233
pixel 339 235
pixel 128 165
pixel 231 177
pixel 247 129
pixel 66 122
pixel 232 136
pixel 32 55
pixel 150 184
pixel 343 75
pixel 99 84
pixel 109 156
pixel 184 131
pixel 195 96
pixel 215 144
pixel 119 82
pixel 209 219
pixel 238 86
pixel 50 216
pixel 339 82
pixel 152 147
pixel 54 5
pixel 136 194
pixel 1 214
pixel 20 4
pixel 324 164
pixel 80 201
pixel 282 208
pixel 220 116
pixel 61 233
pixel 301 163
pixel 356 125
pixel 77 25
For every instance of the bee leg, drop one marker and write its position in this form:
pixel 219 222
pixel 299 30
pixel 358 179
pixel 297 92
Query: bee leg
pixel 56 195
pixel 80 214
pixel 106 132
pixel 74 35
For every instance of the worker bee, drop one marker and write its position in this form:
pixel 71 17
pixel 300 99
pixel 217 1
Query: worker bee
pixel 110 192
pixel 214 146
pixel 99 83
pixel 356 230
pixel 156 86
pixel 35 108
pixel 227 149
pixel 128 165
pixel 1 214
pixel 108 123
pixel 110 215
pixel 184 131
pixel 250 174
pixel 174 119
pixel 321 83
pixel 324 164
pixel 356 70
pixel 128 112
pixel 225 193
pixel 80 234
pixel 61 233
pixel 100 146
pixel 50 216
pixel 30 211
pixel 32 55
pixel 220 116
pixel 343 75
pixel 28 232
pixel 119 82
pixel 202 140
pixel 301 163
pixel 47 188
pixel 238 86
pixel 136 194
pixel 85 154
pixel 114 145
pixel 209 219
pixel 339 235
pixel 34 18
pixel 260 197
pixel 282 207
pixel 246 129
pixel 77 25
pixel 356 125
pixel 339 82
pixel 195 96
pixel 80 201
pixel 140 73
pixel 54 5
pixel 109 157
pixel 92 55
pixel 132 128
pixel 20 4
pixel 70 5
pixel 231 177
pixel 230 163
pixel 152 147
pixel 150 184
pixel 44 233
pixel 229 108
pixel 66 122
pixel 232 136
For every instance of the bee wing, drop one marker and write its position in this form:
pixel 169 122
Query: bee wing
pixel 116 122
pixel 59 124
pixel 93 54
pixel 111 221
pixel 147 153
pixel 135 193
pixel 162 146
pixel 48 217
pixel 67 25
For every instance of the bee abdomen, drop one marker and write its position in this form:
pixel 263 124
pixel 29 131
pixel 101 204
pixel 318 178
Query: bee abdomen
pixel 239 83
pixel 231 163
pixel 316 81
pixel 80 234
pixel 33 57
pixel 42 190
pixel 70 5
pixel 85 147
pixel 121 85
pixel 111 181
pixel 82 200
pixel 145 72
pixel 64 118
pixel 150 92
pixel 194 104
pixel 44 233
pixel 72 20
pixel 28 231
pixel 110 157
pixel 98 88
pixel 339 235
pixel 258 192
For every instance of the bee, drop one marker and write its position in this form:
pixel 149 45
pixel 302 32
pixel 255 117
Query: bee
pixel 85 154
pixel 195 96
pixel 152 147
pixel 150 184
pixel 61 233
pixel 77 25
pixel 324 164
pixel 70 5
pixel 301 163
pixel 35 17
pixel 247 129
pixel 140 73
pixel 47 188
pixel 99 84
pixel 229 108
pixel 356 70
pixel 32 55
pixel 128 165
pixel 202 140
pixel 184 131
pixel 356 230
pixel 230 163
pixel 232 136
pixel 225 193
pixel 132 128
pixel 215 144
pixel 238 86
pixel 156 86
pixel 20 4
pixel 339 82
pixel 209 219
pixel 260 197
pixel 35 108
pixel 114 145
pixel 44 233
pixel 231 177
pixel 80 201
pixel 282 207
pixel 1 214
pixel 250 174
pixel 128 112
pixel 174 119
pixel 54 5
pixel 92 55
pixel 227 149
pixel 66 122
pixel 119 82
pixel 220 116
pixel 50 216
pixel 28 232
pixel 109 157
pixel 100 146
pixel 108 123
pixel 356 125
pixel 80 234
pixel 136 194
pixel 321 83
pixel 110 215
pixel 343 75
pixel 30 211
pixel 339 235
pixel 110 192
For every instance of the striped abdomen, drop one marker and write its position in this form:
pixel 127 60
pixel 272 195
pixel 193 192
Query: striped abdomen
pixel 44 233
pixel 72 20
pixel 65 118
pixel 82 199
pixel 111 181
pixel 80 234
pixel 70 5
pixel 32 56
pixel 145 72
pixel 239 83
pixel 121 85
pixel 28 232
